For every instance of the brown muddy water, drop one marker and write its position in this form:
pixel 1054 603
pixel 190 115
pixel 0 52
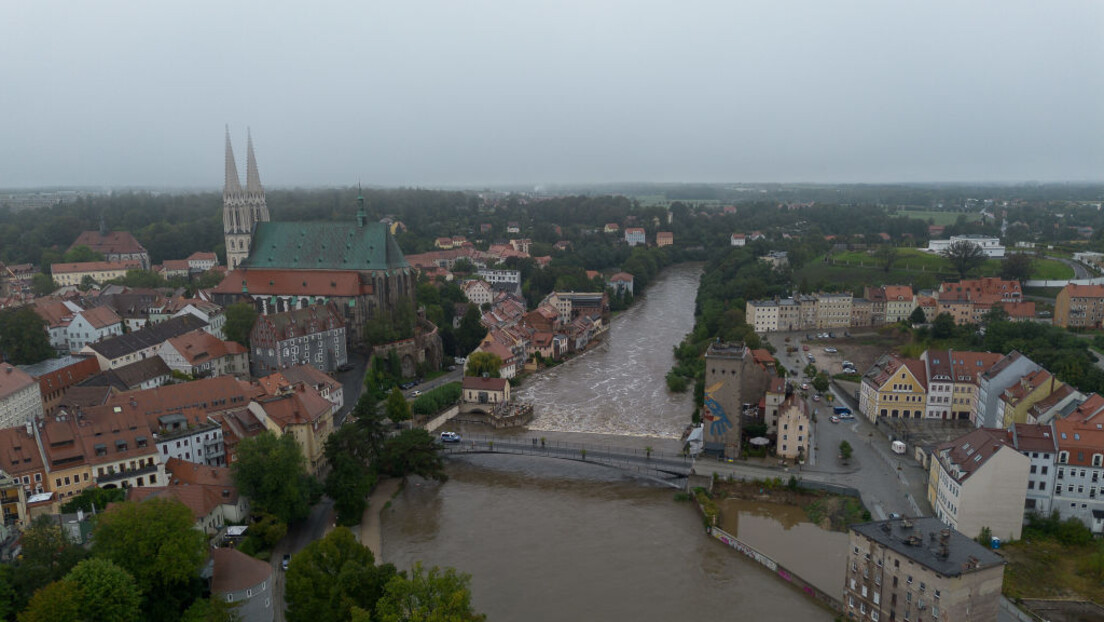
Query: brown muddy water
pixel 555 540
pixel 784 533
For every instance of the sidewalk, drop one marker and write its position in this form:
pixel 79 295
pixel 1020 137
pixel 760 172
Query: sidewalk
pixel 370 528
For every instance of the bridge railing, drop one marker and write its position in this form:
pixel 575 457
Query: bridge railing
pixel 534 445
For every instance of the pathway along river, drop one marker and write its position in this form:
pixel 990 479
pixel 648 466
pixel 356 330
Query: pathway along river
pixel 557 540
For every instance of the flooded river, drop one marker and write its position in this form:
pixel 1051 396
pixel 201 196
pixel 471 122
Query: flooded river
pixel 554 540
pixel 620 386
pixel 783 531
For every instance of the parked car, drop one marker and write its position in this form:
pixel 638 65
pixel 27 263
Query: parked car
pixel 805 348
pixel 344 367
pixel 834 419
pixel 285 562
pixel 804 386
pixel 450 437
pixel 415 393
pixel 831 350
pixel 816 398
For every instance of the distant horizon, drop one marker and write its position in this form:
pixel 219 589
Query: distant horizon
pixel 514 186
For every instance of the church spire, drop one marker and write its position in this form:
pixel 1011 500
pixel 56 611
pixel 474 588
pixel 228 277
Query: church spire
pixel 252 176
pixel 233 182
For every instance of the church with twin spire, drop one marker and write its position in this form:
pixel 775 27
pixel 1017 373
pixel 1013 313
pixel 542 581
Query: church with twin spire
pixel 282 266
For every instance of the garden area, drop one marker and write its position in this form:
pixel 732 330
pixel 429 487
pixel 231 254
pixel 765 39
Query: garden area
pixel 1054 559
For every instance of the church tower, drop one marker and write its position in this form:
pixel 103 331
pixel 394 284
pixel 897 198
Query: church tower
pixel 241 209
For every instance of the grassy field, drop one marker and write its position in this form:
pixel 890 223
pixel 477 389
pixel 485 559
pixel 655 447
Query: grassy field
pixel 923 270
pixel 1047 569
pixel 939 218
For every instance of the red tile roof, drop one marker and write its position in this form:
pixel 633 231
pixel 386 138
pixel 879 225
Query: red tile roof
pixel 294 282
pixel 971 451
pixel 476 383
pixel 101 317
pixel 13 379
pixel 94 266
pixel 621 277
pixel 1085 291
pixel 118 242
pixel 200 346
pixel 235 571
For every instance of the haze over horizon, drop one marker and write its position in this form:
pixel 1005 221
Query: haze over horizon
pixel 438 93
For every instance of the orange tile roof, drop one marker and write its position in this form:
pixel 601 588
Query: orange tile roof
pixel 118 242
pixel 200 346
pixel 19 452
pixel 294 282
pixel 476 383
pixel 101 317
pixel 301 407
pixel 1085 291
pixel 94 266
pixel 964 451
pixel 898 292
pixel 234 571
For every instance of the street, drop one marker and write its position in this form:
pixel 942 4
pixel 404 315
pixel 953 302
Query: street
pixel 888 482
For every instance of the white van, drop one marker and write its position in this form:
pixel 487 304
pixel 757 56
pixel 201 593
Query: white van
pixel 898 447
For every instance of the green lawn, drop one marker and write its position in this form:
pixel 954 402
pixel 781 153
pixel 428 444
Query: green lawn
pixel 939 218
pixel 923 270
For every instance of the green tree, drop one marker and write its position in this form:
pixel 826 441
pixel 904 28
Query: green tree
pixel 272 473
pixel 964 256
pixel 943 326
pixel 95 496
pixel 214 609
pixel 8 596
pixel 470 332
pixel 480 363
pixel 397 408
pixel 435 595
pixel 60 600
pixel 331 576
pixel 108 593
pixel 887 255
pixel 42 284
pixel 48 555
pixel 820 382
pixel 240 318
pixel 1017 267
pixel 917 316
pixel 80 254
pixel 412 452
pixel 845 450
pixel 349 480
pixel 156 542
pixel 23 338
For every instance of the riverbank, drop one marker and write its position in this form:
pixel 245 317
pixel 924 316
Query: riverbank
pixel 371 522
pixel 828 511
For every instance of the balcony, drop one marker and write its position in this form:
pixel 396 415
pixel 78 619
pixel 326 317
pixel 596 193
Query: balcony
pixel 115 476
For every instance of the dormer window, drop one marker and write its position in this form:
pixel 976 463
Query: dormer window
pixel 1098 460
pixel 1063 457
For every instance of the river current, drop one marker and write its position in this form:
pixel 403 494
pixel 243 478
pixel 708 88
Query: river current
pixel 550 540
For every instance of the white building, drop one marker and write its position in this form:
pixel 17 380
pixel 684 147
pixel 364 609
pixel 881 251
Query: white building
pixel 979 481
pixel 20 398
pixel 991 246
pixel 199 443
pixel 634 236
pixel 92 325
pixel 478 292
pixel 1037 443
pixel 738 239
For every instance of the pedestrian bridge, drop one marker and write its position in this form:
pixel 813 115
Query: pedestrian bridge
pixel 670 469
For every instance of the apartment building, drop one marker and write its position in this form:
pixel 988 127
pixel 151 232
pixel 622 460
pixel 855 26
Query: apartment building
pixel 992 383
pixel 894 387
pixel 919 569
pixel 1079 306
pixel 1079 477
pixel 980 480
pixel 1037 443
pixel 20 398
pixel 954 378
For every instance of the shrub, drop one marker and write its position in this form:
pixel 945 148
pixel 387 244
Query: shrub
pixel 438 399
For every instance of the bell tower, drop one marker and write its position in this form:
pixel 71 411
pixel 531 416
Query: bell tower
pixel 241 209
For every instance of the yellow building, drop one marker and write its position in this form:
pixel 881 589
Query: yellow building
pixel 99 271
pixel 1014 404
pixel 793 429
pixel 304 414
pixel 895 388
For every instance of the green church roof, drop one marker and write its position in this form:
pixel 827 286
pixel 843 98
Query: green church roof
pixel 324 246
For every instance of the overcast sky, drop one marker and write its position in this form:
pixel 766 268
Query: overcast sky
pixel 439 92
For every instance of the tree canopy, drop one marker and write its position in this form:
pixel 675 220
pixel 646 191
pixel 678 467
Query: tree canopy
pixel 964 256
pixel 272 472
pixel 107 592
pixel 480 363
pixel 331 576
pixel 154 540
pixel 240 318
pixel 23 338
pixel 436 595
pixel 397 408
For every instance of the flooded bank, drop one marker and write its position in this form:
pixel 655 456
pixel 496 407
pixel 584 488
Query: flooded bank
pixel 554 540
pixel 785 533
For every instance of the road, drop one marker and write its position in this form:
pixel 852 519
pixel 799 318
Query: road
pixel 317 525
pixel 888 482
pixel 1079 269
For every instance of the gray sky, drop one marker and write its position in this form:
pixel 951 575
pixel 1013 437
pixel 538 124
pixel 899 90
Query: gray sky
pixel 431 92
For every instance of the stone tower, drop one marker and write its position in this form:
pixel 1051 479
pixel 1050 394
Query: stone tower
pixel 241 209
pixel 725 366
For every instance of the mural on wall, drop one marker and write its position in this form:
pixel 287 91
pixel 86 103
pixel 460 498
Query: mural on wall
pixel 713 413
